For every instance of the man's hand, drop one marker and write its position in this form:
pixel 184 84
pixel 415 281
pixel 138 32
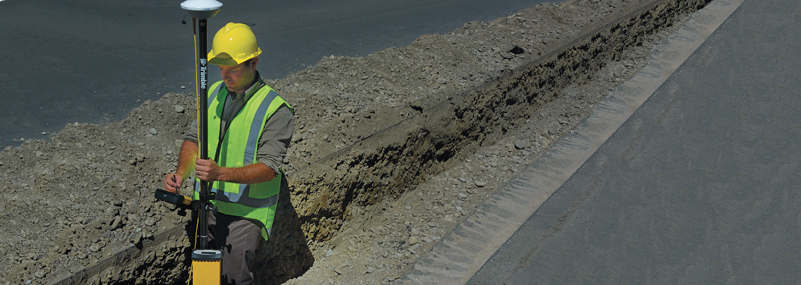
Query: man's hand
pixel 172 182
pixel 208 170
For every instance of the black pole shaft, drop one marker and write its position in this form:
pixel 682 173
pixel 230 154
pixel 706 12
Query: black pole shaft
pixel 203 138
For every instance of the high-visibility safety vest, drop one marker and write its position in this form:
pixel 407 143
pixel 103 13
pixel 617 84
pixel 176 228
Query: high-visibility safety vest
pixel 257 202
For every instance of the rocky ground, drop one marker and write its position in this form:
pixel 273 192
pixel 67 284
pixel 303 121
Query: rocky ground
pixel 369 197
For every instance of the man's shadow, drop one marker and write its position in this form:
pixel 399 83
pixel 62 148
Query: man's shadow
pixel 286 255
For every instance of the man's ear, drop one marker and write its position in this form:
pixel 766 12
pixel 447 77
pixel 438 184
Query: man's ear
pixel 254 62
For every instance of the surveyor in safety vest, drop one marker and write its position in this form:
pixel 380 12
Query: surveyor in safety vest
pixel 249 131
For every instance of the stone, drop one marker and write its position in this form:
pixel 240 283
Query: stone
pixel 136 238
pixel 522 144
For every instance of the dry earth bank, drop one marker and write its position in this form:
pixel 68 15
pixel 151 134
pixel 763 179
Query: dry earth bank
pixel 390 152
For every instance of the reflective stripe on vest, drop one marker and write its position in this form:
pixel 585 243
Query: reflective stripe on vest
pixel 255 201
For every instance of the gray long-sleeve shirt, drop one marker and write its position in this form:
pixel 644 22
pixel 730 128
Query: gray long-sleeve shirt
pixel 275 137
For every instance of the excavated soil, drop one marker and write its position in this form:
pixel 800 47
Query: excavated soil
pixel 391 151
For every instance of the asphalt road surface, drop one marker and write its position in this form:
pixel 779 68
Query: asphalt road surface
pixel 699 186
pixel 93 61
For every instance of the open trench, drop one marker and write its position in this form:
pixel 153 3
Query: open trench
pixel 382 165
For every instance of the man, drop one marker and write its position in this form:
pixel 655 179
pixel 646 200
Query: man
pixel 249 131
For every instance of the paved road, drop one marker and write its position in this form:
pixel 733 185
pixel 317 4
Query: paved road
pixel 91 60
pixel 699 186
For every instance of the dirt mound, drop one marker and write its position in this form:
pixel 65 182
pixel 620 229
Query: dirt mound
pixel 390 152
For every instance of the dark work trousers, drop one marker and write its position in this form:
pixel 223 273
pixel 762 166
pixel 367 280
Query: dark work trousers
pixel 238 238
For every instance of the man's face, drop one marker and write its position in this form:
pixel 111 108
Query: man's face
pixel 238 77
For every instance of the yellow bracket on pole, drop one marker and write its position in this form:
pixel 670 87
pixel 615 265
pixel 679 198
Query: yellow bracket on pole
pixel 206 266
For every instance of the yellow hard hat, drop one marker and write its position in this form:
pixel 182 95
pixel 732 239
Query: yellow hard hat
pixel 233 44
